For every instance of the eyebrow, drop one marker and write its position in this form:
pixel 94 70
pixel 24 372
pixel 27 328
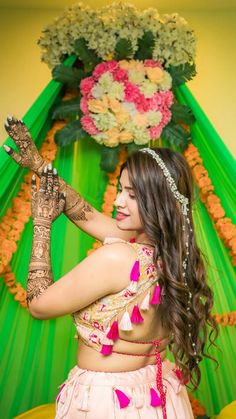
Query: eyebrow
pixel 126 187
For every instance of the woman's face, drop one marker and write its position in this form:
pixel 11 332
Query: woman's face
pixel 127 215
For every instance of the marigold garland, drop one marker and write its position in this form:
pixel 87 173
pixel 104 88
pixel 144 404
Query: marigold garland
pixel 223 225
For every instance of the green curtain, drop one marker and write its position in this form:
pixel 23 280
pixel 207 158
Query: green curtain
pixel 37 355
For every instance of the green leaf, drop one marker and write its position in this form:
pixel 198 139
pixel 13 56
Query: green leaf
pixel 145 46
pixel 176 135
pixel 66 108
pixel 181 73
pixel 132 147
pixel 182 113
pixel 69 76
pixel 86 55
pixel 70 133
pixel 123 49
pixel 109 158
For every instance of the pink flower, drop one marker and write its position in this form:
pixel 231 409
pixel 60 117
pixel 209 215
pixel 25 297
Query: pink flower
pixel 155 102
pixel 167 98
pixel 112 65
pixel 155 131
pixel 84 105
pixel 142 104
pixel 166 117
pixel 152 63
pixel 132 92
pixel 86 86
pixel 120 75
pixel 100 69
pixel 88 125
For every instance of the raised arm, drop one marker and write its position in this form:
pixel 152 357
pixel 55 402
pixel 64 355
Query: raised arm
pixel 79 211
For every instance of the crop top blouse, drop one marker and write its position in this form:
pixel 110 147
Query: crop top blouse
pixel 97 324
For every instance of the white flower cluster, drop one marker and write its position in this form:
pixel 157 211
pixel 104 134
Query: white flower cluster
pixel 174 40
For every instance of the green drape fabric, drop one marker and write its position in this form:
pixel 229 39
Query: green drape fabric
pixel 37 355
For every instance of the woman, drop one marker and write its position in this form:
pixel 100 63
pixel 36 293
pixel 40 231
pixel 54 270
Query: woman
pixel 143 290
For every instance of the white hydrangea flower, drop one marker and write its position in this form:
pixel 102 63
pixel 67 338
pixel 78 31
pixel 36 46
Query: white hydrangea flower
pixel 141 136
pixel 154 117
pixel 116 91
pixel 98 91
pixel 106 82
pixel 136 77
pixel 148 88
pixel 105 121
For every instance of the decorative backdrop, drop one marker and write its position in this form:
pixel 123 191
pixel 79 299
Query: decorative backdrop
pixel 37 355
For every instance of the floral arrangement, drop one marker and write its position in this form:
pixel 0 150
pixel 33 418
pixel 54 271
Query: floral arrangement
pixel 126 66
pixel 174 40
pixel 125 101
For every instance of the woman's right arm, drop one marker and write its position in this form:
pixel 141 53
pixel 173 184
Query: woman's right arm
pixel 79 211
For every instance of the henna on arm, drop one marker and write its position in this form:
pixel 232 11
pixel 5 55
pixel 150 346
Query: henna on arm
pixel 47 205
pixel 40 271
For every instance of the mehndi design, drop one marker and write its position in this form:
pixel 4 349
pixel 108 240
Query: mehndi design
pixel 47 205
pixel 76 208
pixel 28 156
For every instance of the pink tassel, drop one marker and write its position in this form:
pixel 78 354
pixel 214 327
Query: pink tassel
pixel 106 349
pixel 123 399
pixel 134 274
pixel 156 297
pixel 136 315
pixel 155 399
pixel 113 332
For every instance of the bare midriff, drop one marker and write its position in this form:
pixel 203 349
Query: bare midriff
pixel 132 356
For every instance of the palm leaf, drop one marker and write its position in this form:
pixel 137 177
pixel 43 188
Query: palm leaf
pixel 66 108
pixel 109 158
pixel 182 113
pixel 132 147
pixel 69 76
pixel 123 49
pixel 182 73
pixel 70 133
pixel 86 55
pixel 145 46
pixel 176 135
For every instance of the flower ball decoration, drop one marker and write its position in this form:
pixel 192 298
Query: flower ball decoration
pixel 126 101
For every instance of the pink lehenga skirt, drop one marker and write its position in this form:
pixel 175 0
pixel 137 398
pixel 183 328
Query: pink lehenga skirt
pixel 115 395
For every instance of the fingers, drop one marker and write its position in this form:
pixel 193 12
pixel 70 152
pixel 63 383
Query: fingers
pixel 12 153
pixel 33 186
pixel 55 183
pixel 43 180
pixel 50 181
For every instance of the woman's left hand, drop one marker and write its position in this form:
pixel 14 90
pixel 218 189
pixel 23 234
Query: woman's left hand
pixel 47 202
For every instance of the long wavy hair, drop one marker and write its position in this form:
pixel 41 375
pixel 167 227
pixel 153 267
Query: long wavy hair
pixel 162 220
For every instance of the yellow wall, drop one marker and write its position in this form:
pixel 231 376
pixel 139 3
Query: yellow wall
pixel 23 76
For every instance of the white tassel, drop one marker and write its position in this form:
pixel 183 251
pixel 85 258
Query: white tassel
pixel 105 340
pixel 85 400
pixel 145 303
pixel 133 286
pixel 125 323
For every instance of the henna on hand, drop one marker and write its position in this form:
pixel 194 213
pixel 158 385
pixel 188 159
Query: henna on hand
pixel 76 208
pixel 28 154
pixel 47 205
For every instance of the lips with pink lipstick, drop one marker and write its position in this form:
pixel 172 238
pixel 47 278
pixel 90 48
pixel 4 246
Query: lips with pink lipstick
pixel 121 216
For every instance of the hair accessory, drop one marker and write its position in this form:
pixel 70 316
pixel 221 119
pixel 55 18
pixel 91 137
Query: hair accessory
pixel 185 210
